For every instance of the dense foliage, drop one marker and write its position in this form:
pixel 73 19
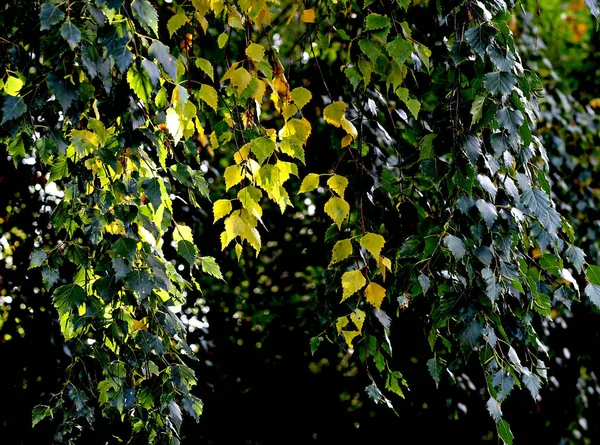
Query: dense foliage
pixel 201 175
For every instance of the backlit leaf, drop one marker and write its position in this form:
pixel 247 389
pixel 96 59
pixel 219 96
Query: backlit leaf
pixel 301 96
pixel 338 210
pixel 338 184
pixel 309 183
pixel 373 243
pixel 375 294
pixel 334 112
pixel 221 208
pixel 352 282
pixel 341 250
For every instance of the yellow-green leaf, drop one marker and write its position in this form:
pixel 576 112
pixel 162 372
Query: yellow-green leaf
pixel 285 170
pixel 338 184
pixel 140 83
pixel 233 176
pixel 340 323
pixel 238 251
pixel 221 208
pixel 337 209
pixel 309 183
pixel 182 233
pixel 12 85
pixel 249 197
pixel 209 95
pixel 333 113
pixel 222 40
pixel 289 111
pixel 373 243
pixel 349 336
pixel 414 106
pixel 308 16
pixel 255 52
pixel 301 96
pixel 375 294
pixel 176 22
pixel 352 282
pixel 384 263
pixel 240 79
pixel 341 250
pixel 358 318
pixel 206 66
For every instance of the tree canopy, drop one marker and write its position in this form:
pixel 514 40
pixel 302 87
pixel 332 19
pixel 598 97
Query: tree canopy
pixel 287 210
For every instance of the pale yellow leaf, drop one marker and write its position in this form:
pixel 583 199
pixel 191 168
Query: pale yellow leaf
pixel 346 140
pixel 242 154
pixel 375 294
pixel 238 251
pixel 338 184
pixel 338 210
pixel 349 127
pixel 286 169
pixel 349 336
pixel 182 233
pixel 255 52
pixel 309 183
pixel 352 282
pixel 373 243
pixel 233 176
pixel 358 318
pixel 308 16
pixel 333 113
pixel 221 208
pixel 341 250
pixel 174 125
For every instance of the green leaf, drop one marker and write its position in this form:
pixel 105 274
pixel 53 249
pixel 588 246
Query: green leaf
pixel 209 95
pixel 472 147
pixel 309 183
pixel 477 109
pixel 456 246
pixel 68 297
pixel 314 344
pixel 126 248
pixel 532 382
pixel 256 52
pixel 176 22
pixel 160 52
pixel 70 33
pixel 470 335
pixel 140 83
pixel 145 13
pixel 510 119
pixel 12 108
pixel 593 274
pixel 370 48
pixel 193 405
pixel 414 106
pixel 505 433
pixel 488 211
pixel 262 148
pixel 593 293
pixel 63 92
pixel 37 258
pixel 435 368
pixel 206 67
pixel 478 37
pixel 400 49
pixel 376 21
pixel 50 15
pixel 16 148
pixel 502 62
pixel 188 251
pixel 502 83
pixel 49 277
pixel 210 266
pixel 39 413
pixel 301 96
pixel 153 191
pixel 576 257
pixel 141 282
pixel 494 409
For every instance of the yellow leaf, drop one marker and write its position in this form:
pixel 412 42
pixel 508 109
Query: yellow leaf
pixel 267 177
pixel 349 127
pixel 341 250
pixel 209 95
pixel 308 16
pixel 234 226
pixel 229 72
pixel 340 323
pixel 289 111
pixel 249 197
pixel 346 140
pixel 373 243
pixel 182 233
pixel 338 184
pixel 375 294
pixel 242 154
pixel 384 263
pixel 301 96
pixel 349 336
pixel 358 318
pixel 333 113
pixel 238 251
pixel 309 183
pixel 261 88
pixel 337 209
pixel 240 79
pixel 233 176
pixel 221 208
pixel 140 325
pixel 352 282
pixel 255 52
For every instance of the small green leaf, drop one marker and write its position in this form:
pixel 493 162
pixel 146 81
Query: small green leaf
pixel 176 22
pixel 70 33
pixel 210 266
pixel 141 282
pixel 50 15
pixel 209 95
pixel 477 109
pixel 140 83
pixel 262 148
pixel 39 413
pixel 301 96
pixel 505 433
pixel 400 49
pixel 377 21
pixel 510 119
pixel 206 66
pixel 502 83
pixel 37 258
pixel 456 246
pixel 188 251
pixel 435 368
pixel 472 147
pixel 13 108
